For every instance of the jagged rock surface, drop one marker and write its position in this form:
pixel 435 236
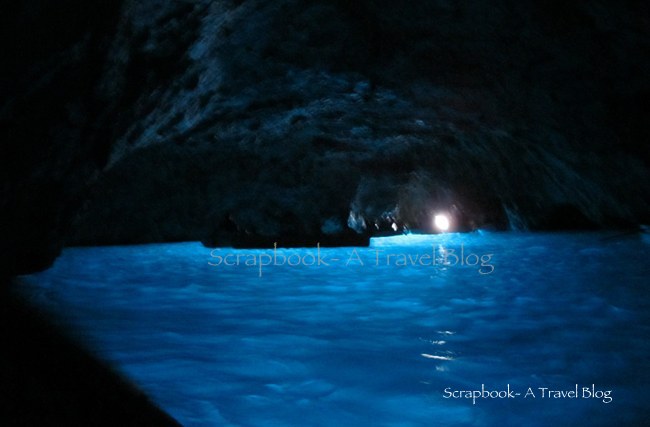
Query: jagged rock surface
pixel 250 121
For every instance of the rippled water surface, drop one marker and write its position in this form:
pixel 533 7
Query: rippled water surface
pixel 371 336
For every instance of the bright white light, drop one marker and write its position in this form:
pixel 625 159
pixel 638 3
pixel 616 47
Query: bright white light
pixel 441 222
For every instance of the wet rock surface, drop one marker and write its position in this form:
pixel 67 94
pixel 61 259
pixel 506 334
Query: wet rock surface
pixel 244 122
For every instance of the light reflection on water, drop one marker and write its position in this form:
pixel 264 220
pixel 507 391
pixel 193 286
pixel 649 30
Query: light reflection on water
pixel 363 339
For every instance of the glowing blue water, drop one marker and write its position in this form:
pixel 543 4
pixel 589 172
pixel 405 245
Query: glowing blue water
pixel 346 344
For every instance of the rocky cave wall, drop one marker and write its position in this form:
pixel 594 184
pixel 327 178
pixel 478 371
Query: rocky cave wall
pixel 248 122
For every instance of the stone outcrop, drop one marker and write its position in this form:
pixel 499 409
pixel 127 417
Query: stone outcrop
pixel 248 122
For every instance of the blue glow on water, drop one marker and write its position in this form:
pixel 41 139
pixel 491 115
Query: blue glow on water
pixel 371 336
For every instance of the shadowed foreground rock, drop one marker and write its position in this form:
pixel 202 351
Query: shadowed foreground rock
pixel 47 380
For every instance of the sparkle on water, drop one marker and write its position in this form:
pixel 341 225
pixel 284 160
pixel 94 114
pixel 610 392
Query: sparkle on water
pixel 371 336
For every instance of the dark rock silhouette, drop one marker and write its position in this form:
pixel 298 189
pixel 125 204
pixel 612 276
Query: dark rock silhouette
pixel 245 122
pixel 48 379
